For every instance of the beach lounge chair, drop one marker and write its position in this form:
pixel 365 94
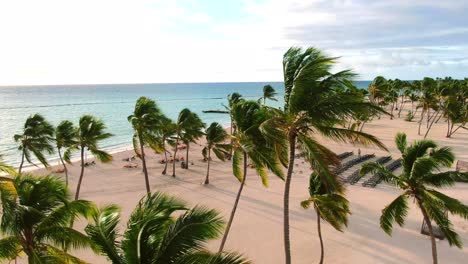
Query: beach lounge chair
pixel 131 165
pixel 60 170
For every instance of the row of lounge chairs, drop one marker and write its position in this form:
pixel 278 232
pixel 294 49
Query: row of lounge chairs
pixel 343 167
pixel 344 155
pixel 377 178
pixel 355 176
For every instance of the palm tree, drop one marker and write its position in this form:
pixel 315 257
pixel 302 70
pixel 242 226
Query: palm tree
pixel 155 235
pixel 192 132
pixel 377 89
pixel 233 99
pixel 332 207
pixel 145 120
pixel 215 136
pixel 184 122
pixel 64 138
pixel 36 139
pixel 88 135
pixel 250 145
pixel 316 102
pixel 167 131
pixel 268 93
pixel 37 212
pixel 422 162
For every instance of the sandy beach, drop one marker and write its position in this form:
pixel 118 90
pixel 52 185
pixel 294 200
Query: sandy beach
pixel 257 228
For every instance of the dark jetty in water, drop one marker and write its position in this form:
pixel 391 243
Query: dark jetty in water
pixel 216 111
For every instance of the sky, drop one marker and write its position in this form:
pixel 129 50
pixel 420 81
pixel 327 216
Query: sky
pixel 154 41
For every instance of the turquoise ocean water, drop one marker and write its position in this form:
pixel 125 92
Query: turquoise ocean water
pixel 113 103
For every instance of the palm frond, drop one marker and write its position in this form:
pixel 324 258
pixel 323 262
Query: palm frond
pixel 104 233
pixel 396 211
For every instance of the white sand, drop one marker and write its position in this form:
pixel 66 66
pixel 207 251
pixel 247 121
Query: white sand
pixel 257 228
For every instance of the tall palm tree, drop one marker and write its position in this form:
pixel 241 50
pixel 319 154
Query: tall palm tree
pixel 316 103
pixel 167 131
pixel 184 122
pixel 36 139
pixel 64 138
pixel 155 235
pixel 422 162
pixel 215 136
pixel 37 212
pixel 233 99
pixel 332 207
pixel 192 132
pixel 90 132
pixel 144 120
pixel 250 145
pixel 377 89
pixel 268 93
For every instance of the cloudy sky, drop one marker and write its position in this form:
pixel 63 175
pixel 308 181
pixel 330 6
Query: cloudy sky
pixel 138 41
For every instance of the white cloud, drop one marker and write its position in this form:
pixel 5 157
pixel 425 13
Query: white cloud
pixel 113 41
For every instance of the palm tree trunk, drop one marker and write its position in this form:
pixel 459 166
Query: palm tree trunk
pixel 287 186
pixel 165 162
pixel 78 187
pixel 207 180
pixel 420 121
pixel 432 123
pixel 448 127
pixel 143 160
pixel 319 230
pixel 22 162
pixel 174 158
pixel 231 128
pixel 234 208
pixel 64 167
pixel 431 233
pixel 401 106
pixel 186 156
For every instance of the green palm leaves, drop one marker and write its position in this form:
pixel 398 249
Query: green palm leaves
pixel 332 207
pixel 422 162
pixel 268 93
pixel 317 102
pixel 215 136
pixel 36 218
pixel 155 235
pixel 89 133
pixel 188 128
pixel 249 145
pixel 145 121
pixel 36 139
pixel 64 138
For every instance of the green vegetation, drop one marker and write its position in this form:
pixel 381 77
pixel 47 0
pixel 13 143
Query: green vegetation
pixel 87 136
pixel 145 120
pixel 422 162
pixel 317 102
pixel 64 138
pixel 436 99
pixel 215 136
pixel 155 235
pixel 36 139
pixel 332 207
pixel 36 218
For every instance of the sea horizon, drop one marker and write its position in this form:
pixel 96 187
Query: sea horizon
pixel 113 103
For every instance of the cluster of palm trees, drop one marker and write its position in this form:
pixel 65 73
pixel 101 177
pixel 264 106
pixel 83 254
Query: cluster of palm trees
pixel 38 212
pixel 318 103
pixel 437 99
pixel 39 137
